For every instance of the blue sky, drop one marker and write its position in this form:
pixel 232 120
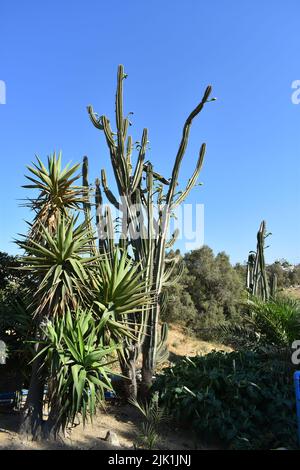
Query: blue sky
pixel 57 57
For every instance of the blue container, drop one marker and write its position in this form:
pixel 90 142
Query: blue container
pixel 297 392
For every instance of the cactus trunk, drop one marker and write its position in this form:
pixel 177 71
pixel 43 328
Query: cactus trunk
pixel 257 278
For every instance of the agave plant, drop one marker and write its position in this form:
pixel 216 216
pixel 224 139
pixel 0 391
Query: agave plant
pixel 78 368
pixel 61 263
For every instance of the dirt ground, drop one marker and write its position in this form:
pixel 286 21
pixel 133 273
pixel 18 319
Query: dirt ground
pixel 294 291
pixel 181 344
pixel 122 419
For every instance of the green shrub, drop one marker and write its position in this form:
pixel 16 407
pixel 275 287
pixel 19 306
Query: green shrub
pixel 209 292
pixel 243 399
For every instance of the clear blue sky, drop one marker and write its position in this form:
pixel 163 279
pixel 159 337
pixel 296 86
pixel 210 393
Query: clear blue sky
pixel 59 56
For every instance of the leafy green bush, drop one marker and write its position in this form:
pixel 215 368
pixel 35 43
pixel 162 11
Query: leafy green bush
pixel 243 399
pixel 209 292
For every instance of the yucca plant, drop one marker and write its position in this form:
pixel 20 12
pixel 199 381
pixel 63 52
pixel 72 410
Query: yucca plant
pixel 69 273
pixel 57 193
pixel 61 263
pixel 78 368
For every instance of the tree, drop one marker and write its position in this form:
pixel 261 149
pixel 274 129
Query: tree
pixel 7 272
pixel 179 306
pixel 216 289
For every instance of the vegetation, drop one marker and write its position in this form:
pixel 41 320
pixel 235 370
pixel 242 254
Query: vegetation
pixel 153 416
pixel 75 303
pixel 77 360
pixel 141 190
pixel 241 398
pixel 70 279
pixel 208 293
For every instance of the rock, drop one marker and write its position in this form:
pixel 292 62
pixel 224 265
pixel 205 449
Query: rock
pixel 112 438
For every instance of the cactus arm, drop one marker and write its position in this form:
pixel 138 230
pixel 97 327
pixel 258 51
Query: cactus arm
pixel 171 264
pixel 128 154
pixel 112 199
pixel 108 133
pixel 260 244
pixel 183 143
pixel 140 163
pixel 119 98
pixel 274 281
pixel 193 179
pixel 94 118
pixel 173 239
pixel 109 229
pixel 122 126
pixel 85 184
pixel 86 204
pixel 257 279
pixel 162 352
pixel 158 177
pixel 99 215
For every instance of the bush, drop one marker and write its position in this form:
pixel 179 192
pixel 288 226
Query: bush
pixel 243 399
pixel 208 293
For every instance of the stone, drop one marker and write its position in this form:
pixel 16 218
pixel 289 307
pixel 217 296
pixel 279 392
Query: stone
pixel 112 438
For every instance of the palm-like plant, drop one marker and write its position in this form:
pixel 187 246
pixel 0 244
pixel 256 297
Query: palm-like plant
pixel 277 320
pixel 61 263
pixel 153 416
pixel 57 193
pixel 78 366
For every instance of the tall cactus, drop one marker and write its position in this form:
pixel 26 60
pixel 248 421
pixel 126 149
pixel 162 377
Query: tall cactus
pixel 140 190
pixel 257 278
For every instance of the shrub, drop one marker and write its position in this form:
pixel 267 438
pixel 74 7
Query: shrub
pixel 208 293
pixel 243 399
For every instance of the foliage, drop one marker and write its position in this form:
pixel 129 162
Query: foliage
pixel 209 293
pixel 287 275
pixel 69 275
pixel 57 194
pixel 153 417
pixel 78 366
pixel 61 264
pixel 9 276
pixel 241 398
pixel 277 321
pixel 120 297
